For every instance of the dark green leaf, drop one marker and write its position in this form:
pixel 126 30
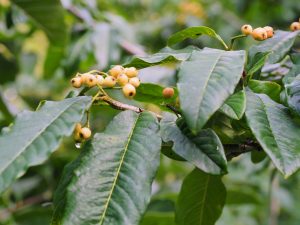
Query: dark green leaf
pixel 235 105
pixel 110 182
pixel 203 150
pixel 206 80
pixel 295 57
pixel 257 156
pixel 194 32
pixel 36 135
pixel 275 130
pixel 201 199
pixel 269 88
pixel 257 62
pixel 290 76
pixel 292 91
pixel 158 218
pixel 241 196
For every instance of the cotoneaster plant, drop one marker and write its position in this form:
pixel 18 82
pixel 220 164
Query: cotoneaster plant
pixel 226 102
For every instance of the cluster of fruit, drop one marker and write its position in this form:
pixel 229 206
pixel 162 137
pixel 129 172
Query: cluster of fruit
pixel 81 133
pixel 124 77
pixel 259 34
pixel 295 26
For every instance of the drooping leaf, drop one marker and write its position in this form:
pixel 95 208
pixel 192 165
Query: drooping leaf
pixel 36 135
pixel 166 55
pixel 201 199
pixel 235 105
pixel 269 88
pixel 292 91
pixel 110 182
pixel 256 63
pixel 275 130
pixel 203 150
pixel 278 45
pixel 194 32
pixel 206 80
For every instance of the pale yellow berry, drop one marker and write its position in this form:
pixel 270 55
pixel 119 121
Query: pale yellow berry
pixel 135 81
pixel 109 81
pixel 270 31
pixel 246 29
pixel 168 92
pixel 77 127
pixel 131 72
pixel 122 79
pixel 84 77
pixel 90 81
pixel 99 79
pixel 129 90
pixel 116 71
pixel 85 133
pixel 76 82
pixel 259 34
pixel 295 26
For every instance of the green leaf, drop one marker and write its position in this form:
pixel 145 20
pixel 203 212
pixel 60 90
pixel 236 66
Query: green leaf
pixel 275 130
pixel 206 80
pixel 194 32
pixel 36 135
pixel 242 196
pixel 201 199
pixel 204 150
pixel 292 91
pixel 166 55
pixel 158 218
pixel 235 105
pixel 295 57
pixel 279 45
pixel 257 62
pixel 269 88
pixel 152 93
pixel 290 76
pixel 110 182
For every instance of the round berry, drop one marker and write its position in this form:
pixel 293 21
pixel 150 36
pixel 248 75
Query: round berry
pixel 122 79
pixel 270 31
pixel 109 81
pixel 295 26
pixel 99 79
pixel 131 72
pixel 85 133
pixel 259 34
pixel 246 29
pixel 135 81
pixel 168 92
pixel 90 81
pixel 116 71
pixel 129 90
pixel 77 127
pixel 76 82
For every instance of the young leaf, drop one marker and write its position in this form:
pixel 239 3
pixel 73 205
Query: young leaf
pixel 235 105
pixel 194 32
pixel 201 199
pixel 269 88
pixel 203 150
pixel 166 55
pixel 110 182
pixel 257 62
pixel 279 45
pixel 206 80
pixel 36 134
pixel 275 130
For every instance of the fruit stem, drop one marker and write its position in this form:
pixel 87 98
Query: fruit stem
pixel 232 40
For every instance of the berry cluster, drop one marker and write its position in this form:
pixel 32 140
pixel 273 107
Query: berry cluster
pixel 295 26
pixel 259 34
pixel 124 77
pixel 81 133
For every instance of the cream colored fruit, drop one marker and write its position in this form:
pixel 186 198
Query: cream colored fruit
pixel 295 26
pixel 116 71
pixel 131 72
pixel 270 31
pixel 109 81
pixel 129 90
pixel 85 133
pixel 100 79
pixel 122 79
pixel 259 34
pixel 246 29
pixel 135 81
pixel 90 80
pixel 168 92
pixel 76 82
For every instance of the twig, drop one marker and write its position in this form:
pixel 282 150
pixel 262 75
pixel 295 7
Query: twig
pixel 234 150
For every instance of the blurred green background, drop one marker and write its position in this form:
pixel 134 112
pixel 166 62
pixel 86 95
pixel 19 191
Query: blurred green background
pixel 45 42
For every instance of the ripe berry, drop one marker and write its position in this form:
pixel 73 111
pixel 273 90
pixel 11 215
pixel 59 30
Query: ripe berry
pixel 295 26
pixel 99 79
pixel 131 72
pixel 168 92
pixel 270 31
pixel 135 81
pixel 85 133
pixel 116 71
pixel 246 29
pixel 122 79
pixel 129 90
pixel 109 81
pixel 77 127
pixel 259 34
pixel 90 80
pixel 76 82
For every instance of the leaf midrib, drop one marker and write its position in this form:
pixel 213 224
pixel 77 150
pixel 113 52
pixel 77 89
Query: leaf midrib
pixel 204 199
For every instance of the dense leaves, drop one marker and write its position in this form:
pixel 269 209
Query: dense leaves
pixel 235 105
pixel 269 88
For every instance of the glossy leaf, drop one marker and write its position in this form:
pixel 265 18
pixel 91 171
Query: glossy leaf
pixel 292 91
pixel 110 182
pixel 201 199
pixel 275 130
pixel 278 45
pixel 166 55
pixel 203 150
pixel 235 105
pixel 206 80
pixel 256 63
pixel 269 88
pixel 35 135
pixel 194 32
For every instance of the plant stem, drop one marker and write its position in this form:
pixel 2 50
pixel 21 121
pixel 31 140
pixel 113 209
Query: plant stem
pixel 235 38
